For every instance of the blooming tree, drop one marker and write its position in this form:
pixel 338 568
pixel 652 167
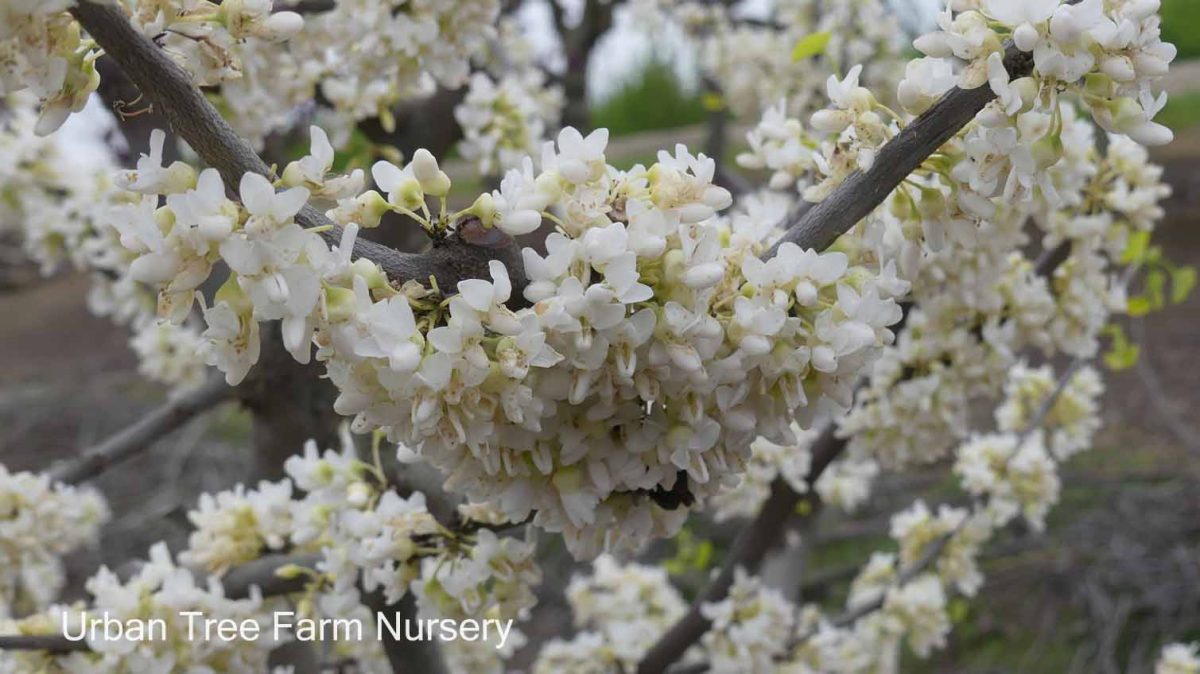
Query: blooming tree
pixel 584 352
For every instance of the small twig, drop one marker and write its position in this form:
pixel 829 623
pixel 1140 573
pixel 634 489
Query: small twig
pixel 935 549
pixel 142 433
pixel 1158 399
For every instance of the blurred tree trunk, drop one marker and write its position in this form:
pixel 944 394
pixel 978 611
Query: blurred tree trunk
pixel 290 404
pixel 578 43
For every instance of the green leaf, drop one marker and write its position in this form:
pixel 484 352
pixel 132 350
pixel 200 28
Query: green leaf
pixel 1122 354
pixel 1135 249
pixel 1138 306
pixel 810 46
pixel 704 556
pixel 1183 281
pixel 1156 282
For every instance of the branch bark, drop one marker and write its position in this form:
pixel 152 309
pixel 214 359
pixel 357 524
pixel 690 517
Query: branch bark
pixel 860 193
pixel 191 116
pixel 143 433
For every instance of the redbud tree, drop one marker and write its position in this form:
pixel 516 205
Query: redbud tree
pixel 580 352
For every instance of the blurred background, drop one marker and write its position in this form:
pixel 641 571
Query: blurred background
pixel 1116 574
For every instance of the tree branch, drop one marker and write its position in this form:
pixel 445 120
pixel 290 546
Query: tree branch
pixel 861 192
pixel 191 116
pixel 143 433
pixel 748 551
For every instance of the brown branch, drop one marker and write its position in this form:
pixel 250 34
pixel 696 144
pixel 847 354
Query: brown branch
pixel 192 117
pixel 143 433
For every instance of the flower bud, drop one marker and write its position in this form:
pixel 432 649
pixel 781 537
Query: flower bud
pixel 520 222
pixel 281 26
pixel 830 121
pixel 370 207
pixel 933 44
pixel 425 166
pixel 1026 37
pixel 438 186
pixel 1047 150
pixel 1119 67
pixel 358 494
pixel 484 208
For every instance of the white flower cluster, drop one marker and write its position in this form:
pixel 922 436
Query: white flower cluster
pixel 43 49
pixel 1014 471
pixel 1179 659
pixel 506 120
pixel 752 61
pixel 1111 51
pixel 620 610
pixel 657 345
pixel 1070 422
pixel 207 38
pixel 58 196
pixel 493 580
pixel 361 58
pixel 239 526
pixel 751 627
pixel 159 591
pixel 40 522
pixel 368 537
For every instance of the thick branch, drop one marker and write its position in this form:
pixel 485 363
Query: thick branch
pixel 193 118
pixel 404 655
pixel 143 433
pixel 861 192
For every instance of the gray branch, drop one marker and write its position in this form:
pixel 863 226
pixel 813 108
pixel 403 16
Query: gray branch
pixel 192 117
pixel 862 191
pixel 143 433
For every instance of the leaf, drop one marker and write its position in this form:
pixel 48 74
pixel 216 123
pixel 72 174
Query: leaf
pixel 811 45
pixel 1122 354
pixel 1156 282
pixel 1183 281
pixel 1138 306
pixel 1135 249
pixel 704 556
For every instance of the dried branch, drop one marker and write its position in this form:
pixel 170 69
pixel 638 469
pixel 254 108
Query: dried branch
pixel 143 433
pixel 194 119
